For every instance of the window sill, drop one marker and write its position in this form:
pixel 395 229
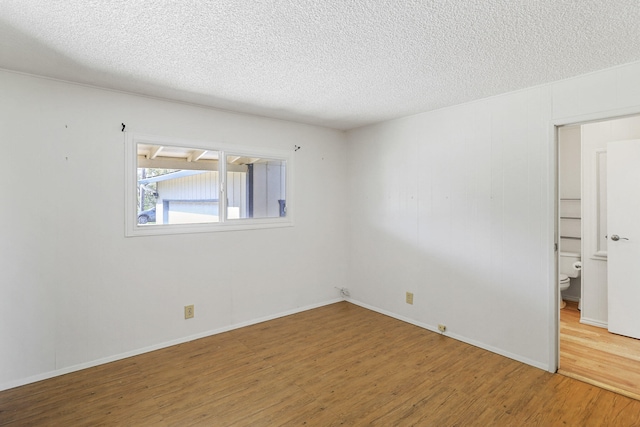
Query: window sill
pixel 229 225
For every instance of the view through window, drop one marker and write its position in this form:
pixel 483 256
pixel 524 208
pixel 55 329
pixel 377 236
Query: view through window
pixel 177 185
pixel 188 185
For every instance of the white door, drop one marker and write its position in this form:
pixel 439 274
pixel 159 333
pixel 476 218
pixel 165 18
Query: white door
pixel 623 226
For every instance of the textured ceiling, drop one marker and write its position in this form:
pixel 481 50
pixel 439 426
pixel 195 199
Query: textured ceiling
pixel 336 63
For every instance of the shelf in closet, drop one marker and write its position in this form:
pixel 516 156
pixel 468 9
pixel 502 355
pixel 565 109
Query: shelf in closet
pixel 570 209
pixel 571 227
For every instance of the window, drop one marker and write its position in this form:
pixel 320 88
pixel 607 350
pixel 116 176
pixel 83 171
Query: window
pixel 256 187
pixel 176 186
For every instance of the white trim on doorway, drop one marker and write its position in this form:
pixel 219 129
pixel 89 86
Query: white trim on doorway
pixel 613 114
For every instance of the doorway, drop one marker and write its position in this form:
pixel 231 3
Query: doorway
pixel 587 351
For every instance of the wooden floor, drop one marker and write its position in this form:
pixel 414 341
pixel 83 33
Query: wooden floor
pixel 597 356
pixel 335 365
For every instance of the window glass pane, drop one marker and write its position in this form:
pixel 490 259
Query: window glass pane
pixel 177 185
pixel 256 187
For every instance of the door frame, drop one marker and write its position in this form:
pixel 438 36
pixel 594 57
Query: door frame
pixel 554 299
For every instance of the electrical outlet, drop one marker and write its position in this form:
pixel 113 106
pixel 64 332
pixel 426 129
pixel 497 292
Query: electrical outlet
pixel 409 298
pixel 188 312
pixel 442 328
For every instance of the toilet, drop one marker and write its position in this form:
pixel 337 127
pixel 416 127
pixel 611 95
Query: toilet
pixel 570 267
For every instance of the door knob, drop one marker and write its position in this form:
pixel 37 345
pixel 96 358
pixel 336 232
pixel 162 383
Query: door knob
pixel 615 238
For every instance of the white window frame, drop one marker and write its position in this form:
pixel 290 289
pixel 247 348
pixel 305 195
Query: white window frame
pixel 132 228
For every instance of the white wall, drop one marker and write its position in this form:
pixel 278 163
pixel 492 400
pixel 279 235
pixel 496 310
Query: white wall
pixel 457 206
pixel 454 206
pixel 569 162
pixel 76 292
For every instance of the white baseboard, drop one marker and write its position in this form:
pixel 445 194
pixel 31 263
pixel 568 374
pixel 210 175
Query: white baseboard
pixel 434 328
pixel 593 322
pixel 74 368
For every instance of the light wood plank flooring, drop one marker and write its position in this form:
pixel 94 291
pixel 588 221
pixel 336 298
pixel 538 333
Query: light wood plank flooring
pixel 596 356
pixel 335 365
